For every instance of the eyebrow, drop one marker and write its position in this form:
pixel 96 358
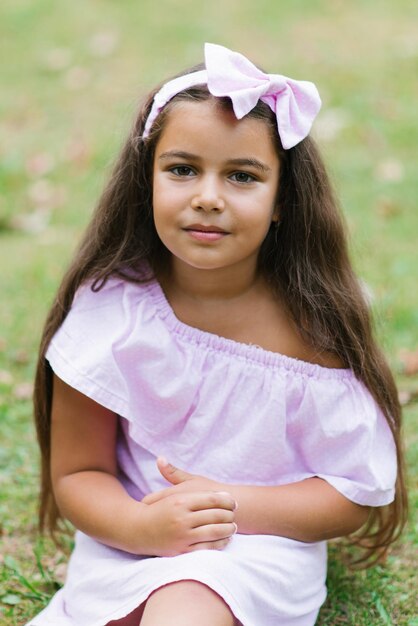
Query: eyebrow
pixel 242 162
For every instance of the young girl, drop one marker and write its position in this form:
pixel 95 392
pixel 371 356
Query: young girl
pixel 210 403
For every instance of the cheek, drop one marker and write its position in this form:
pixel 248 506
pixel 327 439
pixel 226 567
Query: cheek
pixel 162 202
pixel 260 210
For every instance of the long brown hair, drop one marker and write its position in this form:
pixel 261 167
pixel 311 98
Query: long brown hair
pixel 305 260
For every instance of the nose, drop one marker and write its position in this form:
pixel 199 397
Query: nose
pixel 208 195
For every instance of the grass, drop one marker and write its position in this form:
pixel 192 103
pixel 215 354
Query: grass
pixel 70 83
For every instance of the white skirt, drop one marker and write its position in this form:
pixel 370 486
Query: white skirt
pixel 265 580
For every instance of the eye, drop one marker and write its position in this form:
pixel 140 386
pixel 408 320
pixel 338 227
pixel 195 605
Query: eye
pixel 243 177
pixel 182 170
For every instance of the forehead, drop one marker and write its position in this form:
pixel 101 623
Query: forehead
pixel 205 127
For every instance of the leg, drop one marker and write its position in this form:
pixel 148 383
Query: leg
pixel 133 619
pixel 186 603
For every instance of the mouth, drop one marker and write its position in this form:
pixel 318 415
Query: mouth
pixel 206 228
pixel 203 232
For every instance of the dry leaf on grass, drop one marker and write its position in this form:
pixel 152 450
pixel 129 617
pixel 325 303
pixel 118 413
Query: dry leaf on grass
pixel 387 207
pixel 21 357
pixel 77 151
pixel 390 171
pixel 23 391
pixel 409 362
pixel 40 164
pixel 77 78
pixel 104 44
pixel 31 223
pixel 6 378
pixel 57 59
pixel 407 396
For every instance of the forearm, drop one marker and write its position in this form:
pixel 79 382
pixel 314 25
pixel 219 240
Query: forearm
pixel 309 510
pixel 97 504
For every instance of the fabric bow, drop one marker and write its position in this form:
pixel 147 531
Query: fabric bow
pixel 230 74
pixel 296 103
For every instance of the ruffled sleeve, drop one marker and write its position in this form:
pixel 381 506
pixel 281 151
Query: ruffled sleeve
pixel 339 433
pixel 97 333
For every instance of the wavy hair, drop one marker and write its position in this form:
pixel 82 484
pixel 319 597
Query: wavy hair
pixel 306 261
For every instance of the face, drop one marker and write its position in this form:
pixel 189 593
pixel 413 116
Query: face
pixel 215 185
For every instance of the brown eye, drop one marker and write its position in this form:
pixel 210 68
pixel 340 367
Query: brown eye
pixel 243 177
pixel 182 170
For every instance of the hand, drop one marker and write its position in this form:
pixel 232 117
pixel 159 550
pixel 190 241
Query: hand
pixel 187 522
pixel 193 514
pixel 182 482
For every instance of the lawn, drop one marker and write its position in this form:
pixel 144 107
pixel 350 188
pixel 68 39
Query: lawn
pixel 72 73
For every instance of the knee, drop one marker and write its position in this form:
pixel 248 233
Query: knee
pixel 191 601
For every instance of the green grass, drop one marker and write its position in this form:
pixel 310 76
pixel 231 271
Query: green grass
pixel 71 77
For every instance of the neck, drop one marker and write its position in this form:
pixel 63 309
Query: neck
pixel 224 283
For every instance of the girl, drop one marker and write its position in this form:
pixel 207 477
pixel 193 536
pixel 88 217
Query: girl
pixel 211 318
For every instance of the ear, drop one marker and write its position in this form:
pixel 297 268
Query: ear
pixel 276 215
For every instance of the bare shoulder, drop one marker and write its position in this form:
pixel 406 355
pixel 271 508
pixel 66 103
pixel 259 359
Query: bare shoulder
pixel 281 334
pixel 296 346
pixel 304 350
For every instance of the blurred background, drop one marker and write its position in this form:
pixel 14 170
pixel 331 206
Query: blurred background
pixel 72 75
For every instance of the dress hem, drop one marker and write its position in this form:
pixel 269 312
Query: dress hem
pixel 122 612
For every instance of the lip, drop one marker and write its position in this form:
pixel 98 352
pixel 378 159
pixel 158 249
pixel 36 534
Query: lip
pixel 204 228
pixel 205 233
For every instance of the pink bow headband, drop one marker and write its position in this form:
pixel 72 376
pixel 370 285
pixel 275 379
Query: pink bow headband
pixel 295 102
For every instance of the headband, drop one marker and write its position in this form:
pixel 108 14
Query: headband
pixel 295 102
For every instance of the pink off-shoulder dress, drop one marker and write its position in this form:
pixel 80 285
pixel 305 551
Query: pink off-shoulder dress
pixel 233 412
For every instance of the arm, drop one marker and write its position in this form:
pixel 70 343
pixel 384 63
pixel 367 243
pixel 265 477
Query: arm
pixel 309 510
pixel 89 494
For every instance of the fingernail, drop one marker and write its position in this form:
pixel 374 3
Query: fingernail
pixel 163 460
pixel 236 505
pixel 224 493
pixel 236 527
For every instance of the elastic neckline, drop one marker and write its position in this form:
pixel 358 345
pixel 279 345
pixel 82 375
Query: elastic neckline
pixel 240 350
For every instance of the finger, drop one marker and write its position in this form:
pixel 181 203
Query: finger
pixel 201 500
pixel 174 475
pixel 156 496
pixel 213 532
pixel 210 545
pixel 212 516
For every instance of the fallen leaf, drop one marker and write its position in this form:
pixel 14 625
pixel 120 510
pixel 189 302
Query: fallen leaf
pixel 330 123
pixel 6 378
pixel 31 223
pixel 390 170
pixel 77 151
pixel 57 59
pixel 409 362
pixel 40 164
pixel 41 192
pixel 103 44
pixel 386 207
pixel 45 195
pixel 21 357
pixel 77 78
pixel 23 391
pixel 408 396
pixel 407 45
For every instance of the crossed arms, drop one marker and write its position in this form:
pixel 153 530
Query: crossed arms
pixel 193 513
